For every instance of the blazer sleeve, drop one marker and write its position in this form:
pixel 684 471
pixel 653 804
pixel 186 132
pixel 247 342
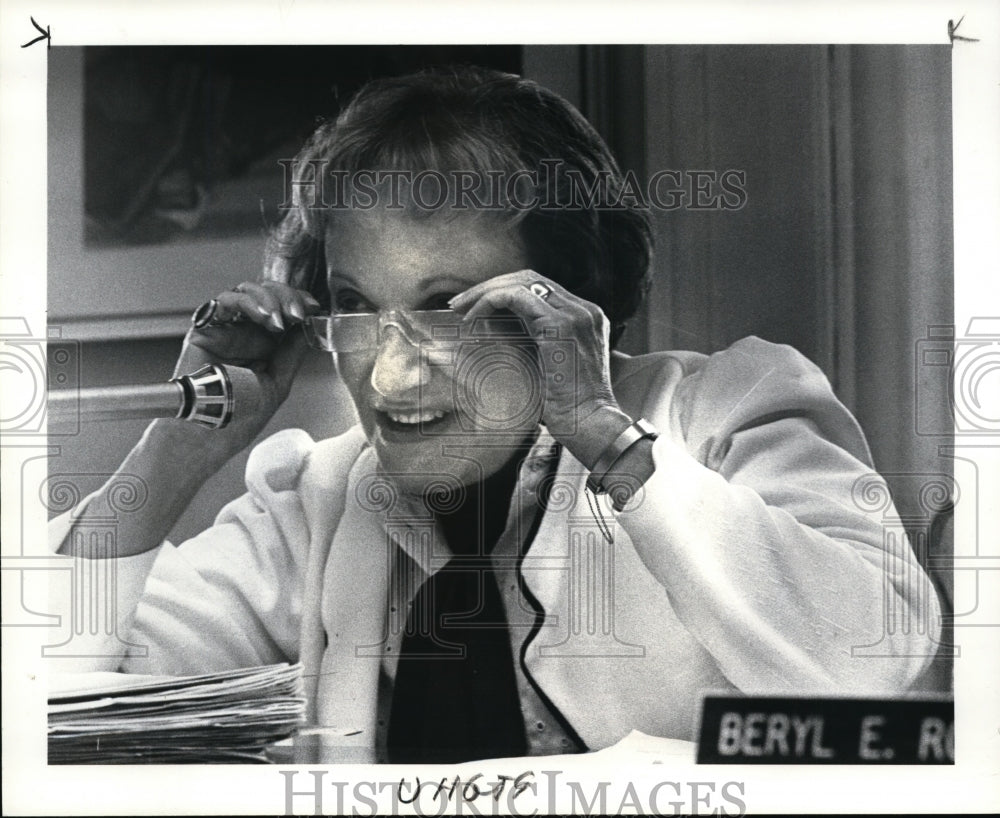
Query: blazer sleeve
pixel 229 597
pixel 755 525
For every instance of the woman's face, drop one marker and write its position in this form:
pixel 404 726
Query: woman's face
pixel 453 406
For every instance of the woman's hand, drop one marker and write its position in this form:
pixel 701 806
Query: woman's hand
pixel 254 326
pixel 580 409
pixel 174 458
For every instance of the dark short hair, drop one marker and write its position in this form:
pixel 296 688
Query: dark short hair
pixel 480 120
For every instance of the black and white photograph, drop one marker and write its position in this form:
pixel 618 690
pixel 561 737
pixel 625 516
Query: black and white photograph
pixel 499 423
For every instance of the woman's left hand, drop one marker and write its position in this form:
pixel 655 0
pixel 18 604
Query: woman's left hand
pixel 572 335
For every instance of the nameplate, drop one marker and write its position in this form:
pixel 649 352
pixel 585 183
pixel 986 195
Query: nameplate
pixel 771 730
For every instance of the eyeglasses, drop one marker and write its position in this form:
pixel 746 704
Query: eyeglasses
pixel 359 332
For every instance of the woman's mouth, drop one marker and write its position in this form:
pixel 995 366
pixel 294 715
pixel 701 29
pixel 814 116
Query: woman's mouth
pixel 404 426
pixel 413 418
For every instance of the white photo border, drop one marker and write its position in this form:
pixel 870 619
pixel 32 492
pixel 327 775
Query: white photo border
pixel 32 787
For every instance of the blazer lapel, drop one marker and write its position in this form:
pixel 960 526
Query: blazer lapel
pixel 355 584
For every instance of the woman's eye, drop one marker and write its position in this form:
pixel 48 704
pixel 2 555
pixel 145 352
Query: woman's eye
pixel 350 301
pixel 439 301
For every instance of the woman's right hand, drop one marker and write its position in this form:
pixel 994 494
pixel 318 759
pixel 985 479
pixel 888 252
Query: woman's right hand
pixel 174 458
pixel 255 326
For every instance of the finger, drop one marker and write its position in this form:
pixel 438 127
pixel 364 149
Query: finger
pixel 235 307
pixel 227 309
pixel 235 343
pixel 270 303
pixel 514 297
pixel 523 278
pixel 257 299
pixel 294 302
pixel 541 314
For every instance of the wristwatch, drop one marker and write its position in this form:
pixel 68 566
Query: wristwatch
pixel 640 430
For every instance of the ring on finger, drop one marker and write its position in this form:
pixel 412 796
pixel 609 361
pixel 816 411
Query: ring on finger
pixel 205 314
pixel 543 291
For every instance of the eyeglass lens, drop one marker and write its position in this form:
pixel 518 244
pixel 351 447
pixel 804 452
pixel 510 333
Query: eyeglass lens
pixel 358 332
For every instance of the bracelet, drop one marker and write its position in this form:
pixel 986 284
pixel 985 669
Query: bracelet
pixel 639 430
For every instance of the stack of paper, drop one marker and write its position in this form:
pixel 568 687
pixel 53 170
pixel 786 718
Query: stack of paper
pixel 217 717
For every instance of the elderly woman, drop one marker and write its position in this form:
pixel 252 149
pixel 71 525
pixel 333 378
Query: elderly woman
pixel 529 543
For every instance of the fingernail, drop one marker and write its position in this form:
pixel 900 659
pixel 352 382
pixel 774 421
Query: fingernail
pixel 311 300
pixel 296 310
pixel 263 310
pixel 276 320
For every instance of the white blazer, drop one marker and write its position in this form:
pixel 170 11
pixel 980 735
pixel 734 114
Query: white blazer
pixel 749 564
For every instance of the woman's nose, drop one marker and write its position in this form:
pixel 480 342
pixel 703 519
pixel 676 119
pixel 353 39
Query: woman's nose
pixel 397 369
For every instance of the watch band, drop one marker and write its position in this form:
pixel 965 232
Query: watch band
pixel 639 430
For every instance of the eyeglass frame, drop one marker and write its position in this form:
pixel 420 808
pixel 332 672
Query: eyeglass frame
pixel 420 328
